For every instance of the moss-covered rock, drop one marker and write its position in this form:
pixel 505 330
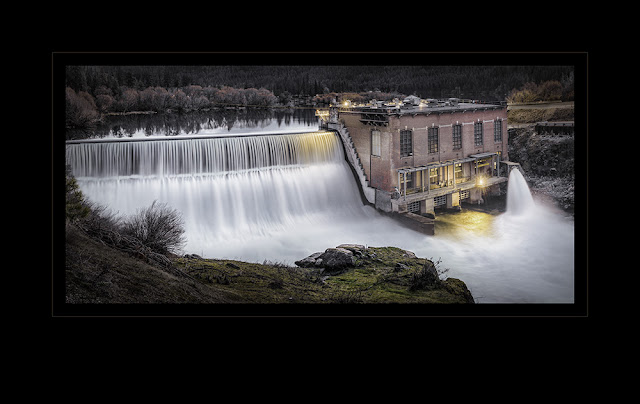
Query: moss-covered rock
pixel 375 275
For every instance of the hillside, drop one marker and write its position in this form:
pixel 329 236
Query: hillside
pixel 547 159
pixel 95 273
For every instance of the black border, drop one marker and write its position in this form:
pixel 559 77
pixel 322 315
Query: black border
pixel 59 60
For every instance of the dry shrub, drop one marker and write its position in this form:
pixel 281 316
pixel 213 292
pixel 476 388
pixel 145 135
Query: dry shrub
pixel 159 227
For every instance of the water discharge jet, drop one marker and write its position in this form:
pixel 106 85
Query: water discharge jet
pixel 519 199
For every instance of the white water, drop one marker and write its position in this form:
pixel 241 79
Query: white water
pixel 281 198
pixel 527 255
pixel 519 199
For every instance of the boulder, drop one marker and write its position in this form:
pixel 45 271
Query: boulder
pixel 332 260
pixel 310 261
pixel 337 259
pixel 352 247
pixel 357 249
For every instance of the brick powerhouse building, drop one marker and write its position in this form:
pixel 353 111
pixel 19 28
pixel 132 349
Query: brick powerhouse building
pixel 418 157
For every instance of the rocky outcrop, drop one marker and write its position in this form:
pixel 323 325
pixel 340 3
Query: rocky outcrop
pixel 336 259
pixel 333 260
pixel 383 274
pixel 548 164
pixel 310 261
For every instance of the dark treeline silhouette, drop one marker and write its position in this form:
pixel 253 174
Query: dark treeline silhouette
pixel 477 82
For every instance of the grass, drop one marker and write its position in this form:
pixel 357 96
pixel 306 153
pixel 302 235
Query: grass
pixel 98 273
pixel 376 279
pixel 539 114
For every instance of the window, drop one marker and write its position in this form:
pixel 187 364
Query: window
pixel 406 144
pixel 457 171
pixel 406 181
pixel 433 176
pixel 477 133
pixel 413 207
pixel 497 131
pixel 433 140
pixel 375 142
pixel 457 137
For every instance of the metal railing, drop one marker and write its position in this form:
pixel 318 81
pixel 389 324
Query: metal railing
pixel 437 185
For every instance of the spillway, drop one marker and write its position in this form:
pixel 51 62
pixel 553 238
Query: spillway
pixel 275 197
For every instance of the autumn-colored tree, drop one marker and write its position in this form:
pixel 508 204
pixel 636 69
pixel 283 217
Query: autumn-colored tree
pixel 80 110
pixel 129 99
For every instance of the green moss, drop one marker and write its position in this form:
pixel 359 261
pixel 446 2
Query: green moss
pixel 377 278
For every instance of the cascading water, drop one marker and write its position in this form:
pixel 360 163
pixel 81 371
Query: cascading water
pixel 519 199
pixel 249 197
pixel 283 197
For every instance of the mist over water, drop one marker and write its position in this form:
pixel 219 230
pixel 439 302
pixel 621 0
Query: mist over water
pixel 281 198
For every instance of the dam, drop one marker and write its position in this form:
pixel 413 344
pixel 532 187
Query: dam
pixel 280 197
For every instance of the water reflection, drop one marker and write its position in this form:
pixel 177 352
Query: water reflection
pixel 459 224
pixel 222 121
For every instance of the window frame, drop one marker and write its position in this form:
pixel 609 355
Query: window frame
pixel 376 146
pixel 456 135
pixel 433 139
pixel 406 147
pixel 478 133
pixel 497 131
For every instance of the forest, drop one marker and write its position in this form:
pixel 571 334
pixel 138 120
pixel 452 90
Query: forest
pixel 477 82
pixel 92 91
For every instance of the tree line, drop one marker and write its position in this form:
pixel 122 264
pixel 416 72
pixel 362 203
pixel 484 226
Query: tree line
pixel 92 91
pixel 84 110
pixel 476 82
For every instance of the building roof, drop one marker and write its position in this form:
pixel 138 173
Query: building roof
pixel 424 108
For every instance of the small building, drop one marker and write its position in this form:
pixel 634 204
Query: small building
pixel 428 155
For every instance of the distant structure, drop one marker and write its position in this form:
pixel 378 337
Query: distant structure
pixel 418 155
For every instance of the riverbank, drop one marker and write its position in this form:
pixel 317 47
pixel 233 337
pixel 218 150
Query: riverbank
pixel 547 159
pixel 98 274
pixel 547 163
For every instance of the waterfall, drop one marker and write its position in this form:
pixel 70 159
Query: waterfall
pixel 230 190
pixel 519 199
pixel 193 156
